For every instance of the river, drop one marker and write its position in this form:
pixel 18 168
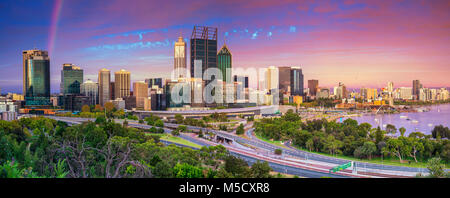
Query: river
pixel 415 121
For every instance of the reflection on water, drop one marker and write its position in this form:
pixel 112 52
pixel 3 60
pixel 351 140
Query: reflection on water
pixel 421 121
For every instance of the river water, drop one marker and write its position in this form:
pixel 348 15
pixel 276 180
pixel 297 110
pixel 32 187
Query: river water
pixel 417 121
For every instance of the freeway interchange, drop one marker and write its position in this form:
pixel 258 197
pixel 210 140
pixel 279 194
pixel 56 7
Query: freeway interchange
pixel 293 161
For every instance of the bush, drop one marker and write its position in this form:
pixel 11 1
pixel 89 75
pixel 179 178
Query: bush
pixel 159 123
pixel 175 132
pixel 278 151
pixel 240 129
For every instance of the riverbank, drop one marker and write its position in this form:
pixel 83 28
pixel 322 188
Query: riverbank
pixel 374 160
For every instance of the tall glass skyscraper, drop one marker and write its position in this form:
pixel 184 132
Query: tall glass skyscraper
pixel 204 47
pixel 36 77
pixel 90 89
pixel 285 82
pixel 180 58
pixel 224 58
pixel 296 81
pixel 71 79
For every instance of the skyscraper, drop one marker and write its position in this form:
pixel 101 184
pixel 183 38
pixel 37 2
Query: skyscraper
pixel 284 77
pixel 140 90
pixel 36 77
pixel 122 83
pixel 112 95
pixel 313 85
pixel 416 89
pixel 296 81
pixel 71 79
pixel 271 75
pixel 204 47
pixel 90 89
pixel 180 58
pixel 390 87
pixel 151 82
pixel 104 80
pixel 224 58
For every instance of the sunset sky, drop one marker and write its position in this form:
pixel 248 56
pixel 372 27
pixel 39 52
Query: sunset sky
pixel 359 43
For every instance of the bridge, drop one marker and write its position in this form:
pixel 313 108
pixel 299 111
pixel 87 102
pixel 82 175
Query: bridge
pixel 247 111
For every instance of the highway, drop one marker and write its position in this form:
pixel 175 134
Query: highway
pixel 277 165
pixel 304 154
pixel 310 160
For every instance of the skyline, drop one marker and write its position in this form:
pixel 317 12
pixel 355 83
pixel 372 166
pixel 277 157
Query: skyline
pixel 374 41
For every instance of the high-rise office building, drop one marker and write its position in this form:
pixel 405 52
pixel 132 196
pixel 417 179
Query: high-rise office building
pixel 390 87
pixel 284 77
pixel 368 93
pixel 404 93
pixel 271 75
pixel 204 47
pixel 340 92
pixel 112 95
pixel 180 58
pixel 90 89
pixel 152 82
pixel 296 81
pixel 122 83
pixel 36 77
pixel 313 85
pixel 104 81
pixel 140 90
pixel 416 89
pixel 224 58
pixel 71 79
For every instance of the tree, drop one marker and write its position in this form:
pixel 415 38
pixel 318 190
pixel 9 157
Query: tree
pixel 278 151
pixel 368 149
pixel 179 118
pixel 391 129
pixel 261 169
pixel 182 128
pixel 416 146
pixel 237 167
pixel 333 145
pixel 185 170
pixel 159 123
pixel 163 170
pixel 290 116
pixel 402 131
pixel 98 108
pixel 435 167
pixel 100 120
pixel 85 109
pixel 240 129
pixel 440 131
pixel 109 106
pixel 175 132
pixel 117 155
pixel 310 144
pixel 396 147
pixel 223 127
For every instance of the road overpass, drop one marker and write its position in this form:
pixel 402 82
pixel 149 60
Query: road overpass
pixel 247 111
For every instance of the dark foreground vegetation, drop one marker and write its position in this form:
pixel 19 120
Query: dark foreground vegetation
pixel 45 148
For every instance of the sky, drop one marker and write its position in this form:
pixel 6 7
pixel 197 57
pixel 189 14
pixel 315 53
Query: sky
pixel 360 43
